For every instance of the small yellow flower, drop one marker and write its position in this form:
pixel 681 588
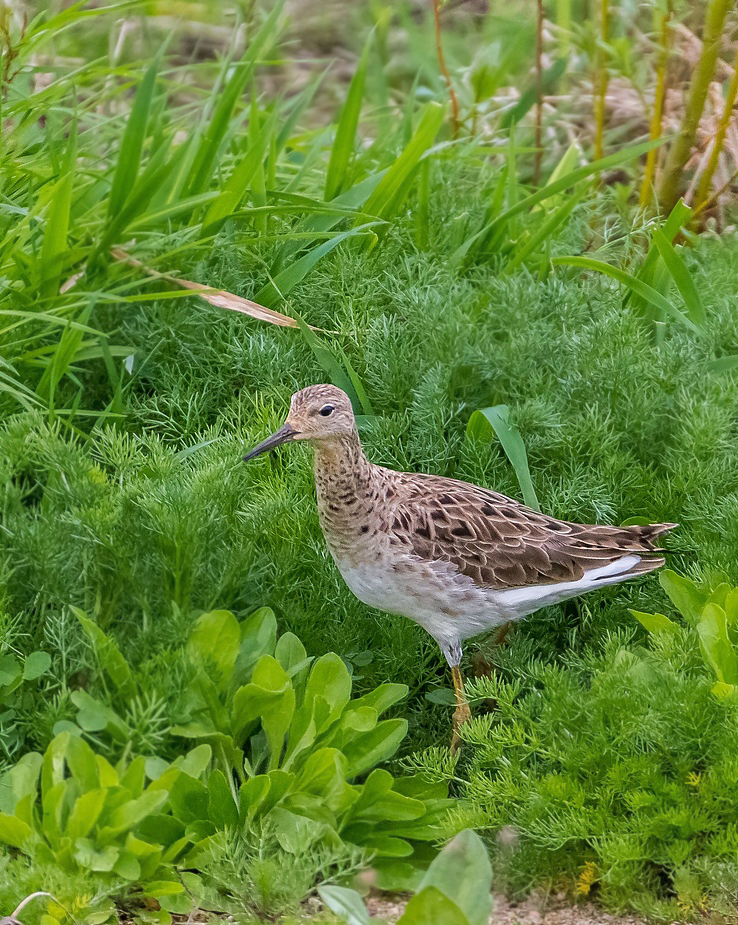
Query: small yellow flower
pixel 586 879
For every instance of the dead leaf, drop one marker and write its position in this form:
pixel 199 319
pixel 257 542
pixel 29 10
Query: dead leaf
pixel 221 298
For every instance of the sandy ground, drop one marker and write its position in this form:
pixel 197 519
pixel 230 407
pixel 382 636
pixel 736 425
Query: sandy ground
pixel 535 910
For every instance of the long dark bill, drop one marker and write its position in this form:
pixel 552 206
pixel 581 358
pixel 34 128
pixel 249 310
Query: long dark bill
pixel 283 435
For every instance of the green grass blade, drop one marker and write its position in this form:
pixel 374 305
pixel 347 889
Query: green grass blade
pixel 682 278
pixel 723 364
pixel 283 282
pixel 556 219
pixel 129 156
pixel 563 183
pixel 330 364
pixel 497 420
pixel 395 184
pixel 54 245
pixel 212 139
pixel 238 183
pixel 358 385
pixel 632 282
pixel 348 122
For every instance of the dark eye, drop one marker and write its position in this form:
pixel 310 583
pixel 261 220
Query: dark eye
pixel 326 410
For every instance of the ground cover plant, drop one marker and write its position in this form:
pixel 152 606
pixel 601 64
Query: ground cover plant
pixel 480 279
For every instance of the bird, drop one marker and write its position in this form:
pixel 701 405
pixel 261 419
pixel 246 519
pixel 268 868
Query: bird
pixel 456 558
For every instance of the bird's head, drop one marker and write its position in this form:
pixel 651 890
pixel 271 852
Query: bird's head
pixel 319 412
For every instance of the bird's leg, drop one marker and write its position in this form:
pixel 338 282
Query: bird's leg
pixel 462 714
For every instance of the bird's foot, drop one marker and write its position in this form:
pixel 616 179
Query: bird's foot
pixel 462 715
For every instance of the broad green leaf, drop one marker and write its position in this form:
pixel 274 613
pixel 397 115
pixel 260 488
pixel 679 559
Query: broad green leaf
pixel 655 622
pixel 94 716
pixel 89 856
pixel 36 664
pixel 14 832
pixel 215 640
pixel 222 809
pixel 127 816
pixel 109 655
pixel 367 750
pixel 19 781
pixel 82 764
pixel 343 143
pixel 382 697
pixel 497 419
pixel 85 813
pixel 10 670
pixel 290 653
pixel 346 904
pixel 712 629
pixel 127 866
pixel 258 637
pixel 684 595
pixel 632 282
pixel 430 905
pixel 463 873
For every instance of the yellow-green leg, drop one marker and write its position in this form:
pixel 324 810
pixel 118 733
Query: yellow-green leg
pixel 462 714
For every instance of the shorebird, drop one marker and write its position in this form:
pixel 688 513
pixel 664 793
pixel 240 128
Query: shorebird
pixel 455 558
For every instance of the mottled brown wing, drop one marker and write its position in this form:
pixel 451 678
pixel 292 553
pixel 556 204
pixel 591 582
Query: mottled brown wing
pixel 500 543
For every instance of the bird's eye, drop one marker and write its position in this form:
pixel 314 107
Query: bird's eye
pixel 326 410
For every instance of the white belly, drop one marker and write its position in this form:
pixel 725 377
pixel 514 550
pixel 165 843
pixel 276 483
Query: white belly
pixel 450 606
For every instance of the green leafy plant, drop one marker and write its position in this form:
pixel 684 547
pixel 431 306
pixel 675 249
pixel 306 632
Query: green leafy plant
pixel 72 809
pixel 455 890
pixel 713 615
pixel 290 745
pixel 17 691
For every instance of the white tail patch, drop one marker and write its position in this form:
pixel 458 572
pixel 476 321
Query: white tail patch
pixel 526 600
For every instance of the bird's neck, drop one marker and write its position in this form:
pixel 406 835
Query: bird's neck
pixel 344 489
pixel 340 464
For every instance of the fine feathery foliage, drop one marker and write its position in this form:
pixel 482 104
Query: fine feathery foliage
pixel 616 772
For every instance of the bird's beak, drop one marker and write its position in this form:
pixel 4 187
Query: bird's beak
pixel 283 435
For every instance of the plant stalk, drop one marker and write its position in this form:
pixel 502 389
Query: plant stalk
pixel 444 69
pixel 705 184
pixel 672 180
pixel 539 94
pixel 603 79
pixel 658 108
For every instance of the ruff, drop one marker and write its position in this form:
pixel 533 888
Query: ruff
pixel 453 557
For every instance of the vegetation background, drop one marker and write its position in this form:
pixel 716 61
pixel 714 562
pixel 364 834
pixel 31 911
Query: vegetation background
pixel 519 259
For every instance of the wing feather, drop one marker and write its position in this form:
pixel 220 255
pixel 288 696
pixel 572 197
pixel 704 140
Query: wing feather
pixel 499 543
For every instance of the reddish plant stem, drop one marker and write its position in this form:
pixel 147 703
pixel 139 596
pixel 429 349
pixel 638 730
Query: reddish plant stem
pixel 539 95
pixel 444 69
